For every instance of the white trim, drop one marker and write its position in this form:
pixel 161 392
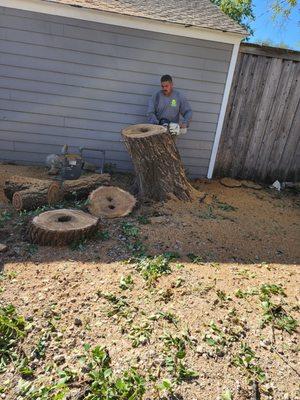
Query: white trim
pixel 231 69
pixel 111 18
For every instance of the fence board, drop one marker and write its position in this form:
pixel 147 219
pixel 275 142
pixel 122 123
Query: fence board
pixel 261 129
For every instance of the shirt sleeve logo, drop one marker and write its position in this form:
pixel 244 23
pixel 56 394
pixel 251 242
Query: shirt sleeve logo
pixel 173 103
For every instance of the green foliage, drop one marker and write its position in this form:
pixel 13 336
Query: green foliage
pixel 282 8
pixel 246 273
pixel 40 349
pixel 78 245
pixel 126 282
pixel 223 206
pixel 57 391
pixel 151 268
pixel 104 384
pixel 215 338
pixel 208 213
pixel 104 235
pixel 195 259
pixel 222 297
pixel 227 395
pixel 273 313
pixel 276 316
pixel 240 11
pixel 4 217
pixel 175 349
pixel 130 230
pixel 167 316
pixel 140 335
pixel 241 294
pixel 12 330
pixel 119 305
pixel 267 290
pixel 247 360
pixel 142 219
pixel 220 338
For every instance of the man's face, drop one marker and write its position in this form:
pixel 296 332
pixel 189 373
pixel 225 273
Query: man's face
pixel 167 88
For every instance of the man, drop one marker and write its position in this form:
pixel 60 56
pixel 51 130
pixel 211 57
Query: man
pixel 166 107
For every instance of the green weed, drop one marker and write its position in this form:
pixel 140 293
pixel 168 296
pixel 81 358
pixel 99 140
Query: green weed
pixel 151 268
pixel 12 331
pixel 130 230
pixel 4 217
pixel 195 259
pixel 142 219
pixel 104 384
pixel 140 334
pixel 246 359
pixel 126 282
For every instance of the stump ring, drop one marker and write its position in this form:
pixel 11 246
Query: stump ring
pixel 110 202
pixel 61 227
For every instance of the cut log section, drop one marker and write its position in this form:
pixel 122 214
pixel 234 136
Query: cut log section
pixel 34 197
pixel 110 202
pixel 18 183
pixel 61 227
pixel 29 193
pixel 80 188
pixel 157 163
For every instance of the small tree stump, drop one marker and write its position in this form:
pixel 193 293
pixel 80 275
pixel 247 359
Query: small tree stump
pixel 110 202
pixel 61 227
pixel 157 163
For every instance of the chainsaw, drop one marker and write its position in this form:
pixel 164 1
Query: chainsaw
pixel 69 166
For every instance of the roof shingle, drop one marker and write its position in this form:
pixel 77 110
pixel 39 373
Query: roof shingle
pixel 198 13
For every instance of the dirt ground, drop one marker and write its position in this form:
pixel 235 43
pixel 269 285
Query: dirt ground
pixel 222 250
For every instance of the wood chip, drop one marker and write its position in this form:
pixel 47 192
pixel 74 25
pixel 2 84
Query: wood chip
pixel 3 248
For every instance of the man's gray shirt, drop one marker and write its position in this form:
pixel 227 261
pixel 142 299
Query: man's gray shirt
pixel 169 107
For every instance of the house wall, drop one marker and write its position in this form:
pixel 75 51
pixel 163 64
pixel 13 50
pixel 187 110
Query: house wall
pixel 77 82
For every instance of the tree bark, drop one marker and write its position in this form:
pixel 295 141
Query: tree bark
pixel 157 163
pixel 30 193
pixel 80 188
pixel 18 183
pixel 61 227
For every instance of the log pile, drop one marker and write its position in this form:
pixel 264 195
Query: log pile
pixel 30 193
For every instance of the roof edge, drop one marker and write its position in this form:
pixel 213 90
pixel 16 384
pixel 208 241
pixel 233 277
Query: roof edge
pixel 112 18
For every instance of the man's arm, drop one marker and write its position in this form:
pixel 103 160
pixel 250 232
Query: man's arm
pixel 186 111
pixel 152 119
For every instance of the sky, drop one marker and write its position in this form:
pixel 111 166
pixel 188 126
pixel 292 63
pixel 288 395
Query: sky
pixel 266 29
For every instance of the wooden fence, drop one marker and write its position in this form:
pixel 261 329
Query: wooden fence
pixel 261 131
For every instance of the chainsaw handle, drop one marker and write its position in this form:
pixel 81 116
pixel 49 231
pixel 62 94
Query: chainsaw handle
pixel 82 149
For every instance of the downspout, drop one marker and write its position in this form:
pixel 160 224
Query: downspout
pixel 234 55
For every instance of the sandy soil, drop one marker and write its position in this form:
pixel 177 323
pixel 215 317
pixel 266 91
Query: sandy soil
pixel 238 238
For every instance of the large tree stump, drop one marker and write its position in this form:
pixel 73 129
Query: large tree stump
pixel 157 163
pixel 61 227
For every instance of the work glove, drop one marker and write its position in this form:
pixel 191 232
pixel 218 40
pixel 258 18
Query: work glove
pixel 174 129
